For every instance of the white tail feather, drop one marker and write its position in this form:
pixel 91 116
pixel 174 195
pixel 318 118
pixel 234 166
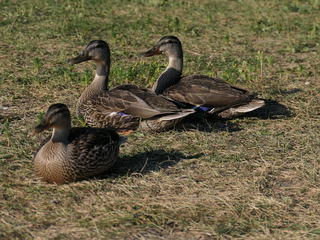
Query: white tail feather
pixel 177 115
pixel 253 105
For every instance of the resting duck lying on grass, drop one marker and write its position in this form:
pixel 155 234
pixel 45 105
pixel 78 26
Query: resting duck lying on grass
pixel 71 154
pixel 204 93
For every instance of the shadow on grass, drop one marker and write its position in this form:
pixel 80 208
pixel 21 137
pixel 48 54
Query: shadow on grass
pixel 272 110
pixel 205 123
pixel 213 123
pixel 289 91
pixel 144 162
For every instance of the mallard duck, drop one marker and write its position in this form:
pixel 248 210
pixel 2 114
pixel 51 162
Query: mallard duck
pixel 71 154
pixel 204 93
pixel 126 107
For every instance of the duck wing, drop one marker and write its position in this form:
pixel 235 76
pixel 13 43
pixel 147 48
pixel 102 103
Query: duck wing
pixel 128 101
pixel 202 90
pixel 93 150
pixel 156 102
pixel 139 102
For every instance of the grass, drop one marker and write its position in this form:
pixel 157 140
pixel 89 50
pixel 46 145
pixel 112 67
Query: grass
pixel 248 178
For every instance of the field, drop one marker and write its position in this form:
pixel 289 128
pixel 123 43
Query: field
pixel 254 177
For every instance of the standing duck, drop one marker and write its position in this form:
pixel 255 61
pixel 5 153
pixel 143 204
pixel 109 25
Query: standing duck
pixel 204 93
pixel 126 107
pixel 71 154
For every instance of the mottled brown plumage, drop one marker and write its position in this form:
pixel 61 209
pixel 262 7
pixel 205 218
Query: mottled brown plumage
pixel 198 90
pixel 126 107
pixel 71 154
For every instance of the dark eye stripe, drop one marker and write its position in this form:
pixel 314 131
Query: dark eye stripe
pixel 57 112
pixel 97 44
pixel 169 41
pixel 57 109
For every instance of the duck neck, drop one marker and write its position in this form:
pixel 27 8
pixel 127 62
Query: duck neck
pixel 100 81
pixel 98 85
pixel 171 75
pixel 60 135
pixel 102 69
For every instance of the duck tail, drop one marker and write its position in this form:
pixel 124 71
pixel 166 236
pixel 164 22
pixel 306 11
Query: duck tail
pixel 245 108
pixel 181 114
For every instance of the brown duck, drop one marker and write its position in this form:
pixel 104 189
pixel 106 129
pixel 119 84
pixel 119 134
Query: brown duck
pixel 71 154
pixel 126 107
pixel 202 92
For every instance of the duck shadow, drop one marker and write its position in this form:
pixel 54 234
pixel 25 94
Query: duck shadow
pixel 213 123
pixel 289 91
pixel 144 162
pixel 271 110
pixel 201 122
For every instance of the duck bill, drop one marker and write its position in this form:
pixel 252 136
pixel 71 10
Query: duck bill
pixel 79 59
pixel 41 127
pixel 151 52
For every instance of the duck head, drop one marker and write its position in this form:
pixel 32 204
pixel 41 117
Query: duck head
pixel 96 50
pixel 168 45
pixel 57 116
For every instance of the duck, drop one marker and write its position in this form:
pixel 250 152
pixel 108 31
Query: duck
pixel 73 153
pixel 203 93
pixel 125 108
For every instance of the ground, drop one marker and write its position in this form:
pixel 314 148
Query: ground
pixel 254 177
